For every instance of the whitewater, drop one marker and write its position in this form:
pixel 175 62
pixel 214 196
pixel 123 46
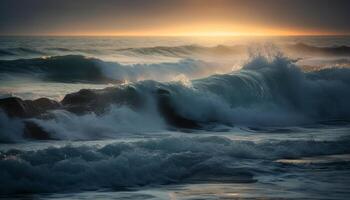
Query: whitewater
pixel 174 117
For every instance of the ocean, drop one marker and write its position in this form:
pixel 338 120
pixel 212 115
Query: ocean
pixel 175 117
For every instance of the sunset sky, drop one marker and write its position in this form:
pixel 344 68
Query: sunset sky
pixel 174 17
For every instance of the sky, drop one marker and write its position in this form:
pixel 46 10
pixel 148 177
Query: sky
pixel 174 17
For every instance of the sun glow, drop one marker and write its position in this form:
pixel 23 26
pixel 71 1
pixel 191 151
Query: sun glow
pixel 208 27
pixel 203 31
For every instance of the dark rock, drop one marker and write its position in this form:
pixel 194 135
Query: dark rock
pixel 16 107
pixel 45 104
pixel 84 96
pixel 34 131
pixel 85 101
pixel 98 101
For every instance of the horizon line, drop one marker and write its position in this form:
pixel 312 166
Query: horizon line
pixel 165 35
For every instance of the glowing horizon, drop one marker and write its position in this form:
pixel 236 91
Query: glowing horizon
pixel 173 18
pixel 202 32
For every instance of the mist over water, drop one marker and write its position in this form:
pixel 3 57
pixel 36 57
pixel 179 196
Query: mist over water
pixel 170 118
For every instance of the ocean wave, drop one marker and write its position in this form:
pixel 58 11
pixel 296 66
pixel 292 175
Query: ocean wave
pixel 80 68
pixel 77 68
pixel 266 92
pixel 60 68
pixel 151 162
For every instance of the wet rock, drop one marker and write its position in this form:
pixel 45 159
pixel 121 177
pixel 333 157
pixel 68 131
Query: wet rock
pixel 86 100
pixel 98 101
pixel 84 96
pixel 16 107
pixel 45 104
pixel 34 131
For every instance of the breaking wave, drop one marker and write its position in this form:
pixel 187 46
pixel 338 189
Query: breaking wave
pixel 266 92
pixel 171 160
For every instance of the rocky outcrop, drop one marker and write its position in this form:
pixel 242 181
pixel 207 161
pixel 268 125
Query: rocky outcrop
pixel 86 101
pixel 18 108
pixel 97 101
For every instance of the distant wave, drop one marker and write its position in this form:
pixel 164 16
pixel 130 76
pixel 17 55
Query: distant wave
pixel 60 49
pixel 4 52
pixel 25 52
pixel 224 50
pixel 76 68
pixel 60 68
pixel 186 50
pixel 314 50
pixel 183 51
pixel 172 160
pixel 19 51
